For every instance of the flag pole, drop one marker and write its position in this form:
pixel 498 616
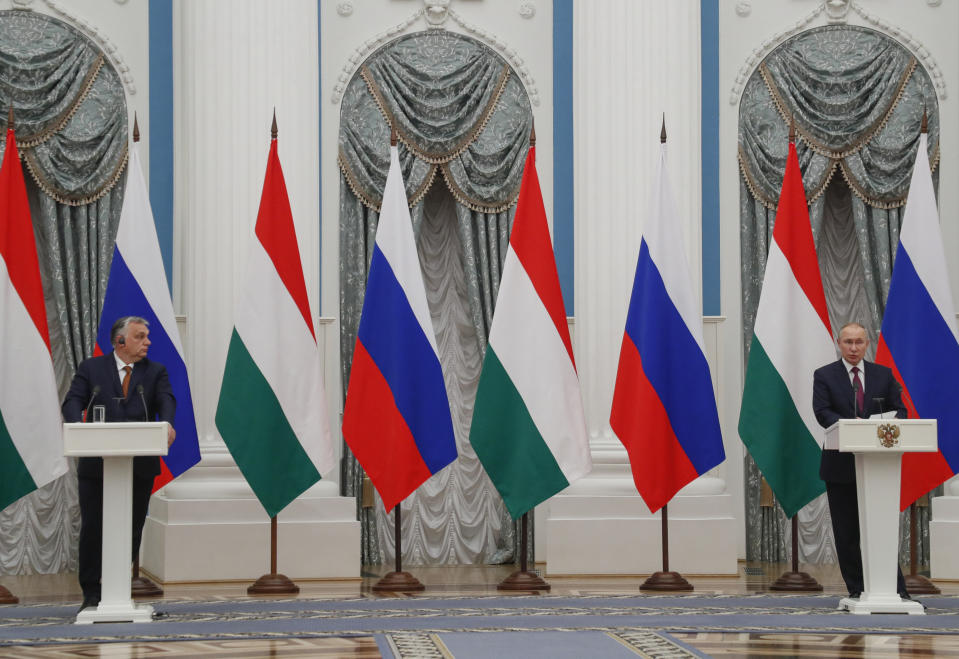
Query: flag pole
pixel 141 586
pixel 664 579
pixel 273 583
pixel 523 579
pixel 915 582
pixel 397 580
pixel 6 597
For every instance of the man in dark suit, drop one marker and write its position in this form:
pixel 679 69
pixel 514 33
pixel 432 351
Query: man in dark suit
pixel 123 382
pixel 847 389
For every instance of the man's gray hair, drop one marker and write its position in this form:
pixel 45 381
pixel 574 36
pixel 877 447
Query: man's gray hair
pixel 121 324
pixel 854 324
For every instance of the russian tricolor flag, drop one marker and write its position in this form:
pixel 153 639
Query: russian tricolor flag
pixel 138 287
pixel 397 416
pixel 918 339
pixel 664 409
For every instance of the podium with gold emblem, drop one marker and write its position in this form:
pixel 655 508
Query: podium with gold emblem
pixel 878 445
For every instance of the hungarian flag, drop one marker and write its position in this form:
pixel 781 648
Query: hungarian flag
pixel 792 337
pixel 918 339
pixel 396 418
pixel 528 427
pixel 138 287
pixel 31 435
pixel 272 409
pixel 664 409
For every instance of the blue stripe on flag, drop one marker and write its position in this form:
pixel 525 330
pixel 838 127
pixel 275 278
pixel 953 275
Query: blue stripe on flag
pixel 124 297
pixel 401 350
pixel 674 365
pixel 925 351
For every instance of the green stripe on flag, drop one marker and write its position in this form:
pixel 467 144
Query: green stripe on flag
pixel 776 436
pixel 520 464
pixel 15 478
pixel 258 434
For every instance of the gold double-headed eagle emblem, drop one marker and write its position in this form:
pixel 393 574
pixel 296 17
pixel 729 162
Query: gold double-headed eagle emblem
pixel 888 434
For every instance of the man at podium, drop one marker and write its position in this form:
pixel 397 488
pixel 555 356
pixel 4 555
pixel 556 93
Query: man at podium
pixel 122 385
pixel 847 389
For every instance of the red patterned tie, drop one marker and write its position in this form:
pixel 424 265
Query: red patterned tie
pixel 126 380
pixel 860 394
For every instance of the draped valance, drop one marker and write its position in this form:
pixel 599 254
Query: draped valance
pixel 458 110
pixel 69 107
pixel 857 98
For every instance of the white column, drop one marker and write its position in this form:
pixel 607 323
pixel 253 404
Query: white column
pixel 944 532
pixel 633 63
pixel 234 63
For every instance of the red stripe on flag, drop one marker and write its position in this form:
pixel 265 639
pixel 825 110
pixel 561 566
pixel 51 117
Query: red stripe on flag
pixel 793 233
pixel 18 247
pixel 382 442
pixel 921 472
pixel 660 465
pixel 275 229
pixel 164 477
pixel 531 242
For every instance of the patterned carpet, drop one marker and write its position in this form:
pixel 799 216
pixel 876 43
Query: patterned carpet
pixel 411 625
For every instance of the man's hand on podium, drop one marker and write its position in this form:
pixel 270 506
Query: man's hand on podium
pixel 170 436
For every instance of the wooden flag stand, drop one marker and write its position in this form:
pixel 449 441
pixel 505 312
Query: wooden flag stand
pixel 796 581
pixel 141 586
pixel 398 580
pixel 523 579
pixel 665 580
pixel 6 597
pixel 915 582
pixel 273 583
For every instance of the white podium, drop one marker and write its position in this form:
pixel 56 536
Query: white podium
pixel 117 444
pixel 878 445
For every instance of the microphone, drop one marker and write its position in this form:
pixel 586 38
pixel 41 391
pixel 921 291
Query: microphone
pixel 121 340
pixel 146 415
pixel 86 412
pixel 879 400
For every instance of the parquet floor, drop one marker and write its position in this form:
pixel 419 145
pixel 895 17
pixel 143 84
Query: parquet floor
pixel 472 580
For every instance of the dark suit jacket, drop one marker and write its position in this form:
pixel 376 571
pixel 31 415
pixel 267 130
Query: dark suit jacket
pixel 102 371
pixel 834 398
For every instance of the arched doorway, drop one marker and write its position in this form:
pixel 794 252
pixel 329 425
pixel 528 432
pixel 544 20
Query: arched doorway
pixel 463 119
pixel 858 98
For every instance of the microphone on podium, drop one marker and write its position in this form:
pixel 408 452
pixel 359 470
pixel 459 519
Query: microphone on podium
pixel 86 412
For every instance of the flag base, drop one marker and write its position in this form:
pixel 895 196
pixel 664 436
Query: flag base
pixel 668 581
pixel 796 582
pixel 6 597
pixel 143 587
pixel 916 584
pixel 273 584
pixel 523 580
pixel 395 582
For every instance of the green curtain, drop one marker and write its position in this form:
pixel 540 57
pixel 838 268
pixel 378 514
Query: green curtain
pixel 857 98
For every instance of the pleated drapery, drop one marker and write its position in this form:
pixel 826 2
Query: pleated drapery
pixel 463 121
pixel 857 98
pixel 71 125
